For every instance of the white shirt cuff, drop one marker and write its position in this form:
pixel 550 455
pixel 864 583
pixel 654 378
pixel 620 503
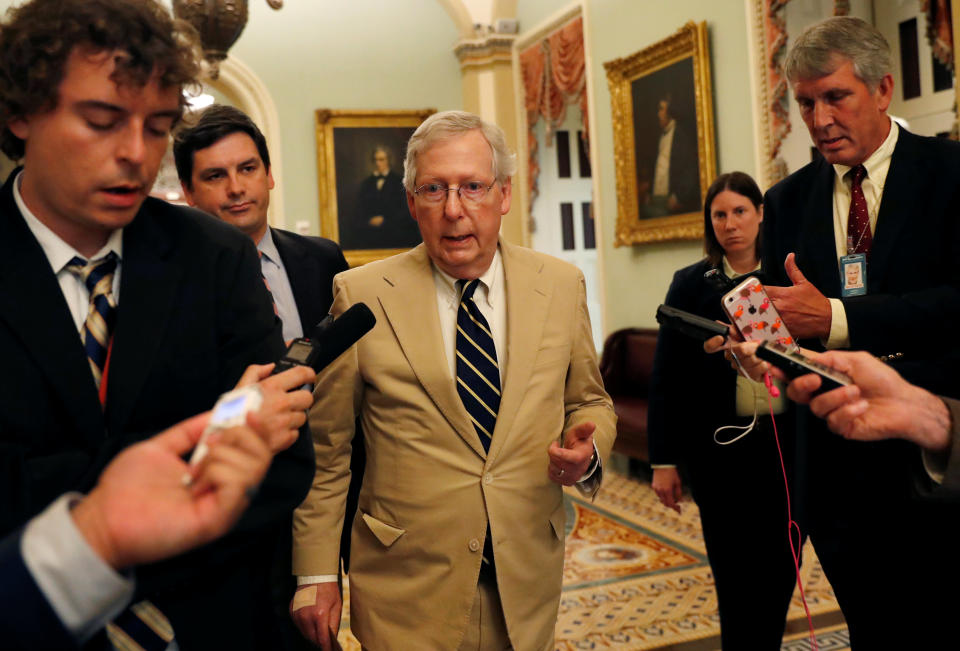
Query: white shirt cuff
pixel 83 591
pixel 935 463
pixel 839 330
pixel 317 578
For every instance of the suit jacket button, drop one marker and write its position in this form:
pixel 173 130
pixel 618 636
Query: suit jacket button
pixel 474 545
pixel 488 478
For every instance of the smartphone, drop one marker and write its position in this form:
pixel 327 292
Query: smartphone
pixel 794 364
pixel 751 311
pixel 690 324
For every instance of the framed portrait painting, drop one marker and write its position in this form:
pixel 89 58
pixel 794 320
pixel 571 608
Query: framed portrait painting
pixel 363 205
pixel 663 137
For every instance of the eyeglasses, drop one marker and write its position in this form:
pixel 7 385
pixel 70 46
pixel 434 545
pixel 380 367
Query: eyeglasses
pixel 471 192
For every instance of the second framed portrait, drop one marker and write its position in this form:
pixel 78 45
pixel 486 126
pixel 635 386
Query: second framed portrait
pixel 363 204
pixel 663 137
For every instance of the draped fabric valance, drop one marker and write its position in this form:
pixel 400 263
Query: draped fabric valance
pixel 554 76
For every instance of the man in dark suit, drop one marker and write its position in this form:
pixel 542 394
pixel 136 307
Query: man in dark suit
pixel 882 197
pixel 384 221
pixel 670 181
pixel 224 167
pixel 123 314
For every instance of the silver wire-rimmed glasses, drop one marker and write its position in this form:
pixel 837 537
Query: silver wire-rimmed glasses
pixel 471 192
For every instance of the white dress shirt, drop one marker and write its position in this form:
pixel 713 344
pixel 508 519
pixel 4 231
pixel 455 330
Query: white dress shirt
pixel 877 165
pixel 59 254
pixel 661 176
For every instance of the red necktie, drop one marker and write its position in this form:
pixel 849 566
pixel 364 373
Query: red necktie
pixel 859 237
pixel 270 291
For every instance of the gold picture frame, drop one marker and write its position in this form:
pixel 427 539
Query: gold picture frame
pixel 667 81
pixel 367 215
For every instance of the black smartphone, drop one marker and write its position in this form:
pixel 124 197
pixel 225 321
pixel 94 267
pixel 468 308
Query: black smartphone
pixel 795 364
pixel 690 324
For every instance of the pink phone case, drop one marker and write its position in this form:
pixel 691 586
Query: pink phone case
pixel 750 309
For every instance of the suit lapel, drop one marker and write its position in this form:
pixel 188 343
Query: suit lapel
pixel 898 204
pixel 528 294
pixel 817 254
pixel 148 286
pixel 303 275
pixel 37 314
pixel 409 301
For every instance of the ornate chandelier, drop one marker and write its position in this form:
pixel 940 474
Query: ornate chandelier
pixel 219 23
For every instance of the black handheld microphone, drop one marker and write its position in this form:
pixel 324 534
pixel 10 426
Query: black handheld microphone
pixel 329 339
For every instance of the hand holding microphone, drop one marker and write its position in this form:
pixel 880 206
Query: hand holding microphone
pixel 268 389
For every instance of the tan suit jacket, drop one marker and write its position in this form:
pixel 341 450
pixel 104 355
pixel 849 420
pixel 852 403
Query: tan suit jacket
pixel 429 488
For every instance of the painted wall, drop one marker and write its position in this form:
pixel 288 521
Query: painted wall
pixel 636 278
pixel 345 54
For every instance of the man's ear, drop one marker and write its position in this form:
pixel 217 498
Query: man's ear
pixel 411 205
pixel 20 127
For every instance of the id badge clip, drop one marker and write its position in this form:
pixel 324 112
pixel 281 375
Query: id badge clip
pixel 853 275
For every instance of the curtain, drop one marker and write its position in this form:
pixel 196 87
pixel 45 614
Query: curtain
pixel 554 76
pixel 939 30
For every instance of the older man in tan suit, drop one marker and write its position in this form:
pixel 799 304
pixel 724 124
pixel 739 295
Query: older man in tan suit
pixel 479 397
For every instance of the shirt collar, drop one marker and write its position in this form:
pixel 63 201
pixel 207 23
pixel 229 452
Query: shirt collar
pixel 729 271
pixel 881 155
pixel 58 252
pixel 671 125
pixel 487 279
pixel 268 247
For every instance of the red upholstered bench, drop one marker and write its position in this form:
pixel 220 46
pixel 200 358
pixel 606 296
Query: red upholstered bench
pixel 626 366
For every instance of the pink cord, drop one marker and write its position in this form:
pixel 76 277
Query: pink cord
pixel 791 525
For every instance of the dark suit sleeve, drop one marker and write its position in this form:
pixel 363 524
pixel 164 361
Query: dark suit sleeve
pixel 684 172
pixel 249 333
pixel 27 621
pixel 949 488
pixel 669 408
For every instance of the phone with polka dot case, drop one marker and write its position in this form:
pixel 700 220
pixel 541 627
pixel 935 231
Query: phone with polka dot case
pixel 754 315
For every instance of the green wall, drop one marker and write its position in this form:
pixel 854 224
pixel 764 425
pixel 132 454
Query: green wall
pixel 636 277
pixel 345 54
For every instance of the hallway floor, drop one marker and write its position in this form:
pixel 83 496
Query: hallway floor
pixel 636 577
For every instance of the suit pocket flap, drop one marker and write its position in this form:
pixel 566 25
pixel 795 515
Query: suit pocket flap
pixel 558 520
pixel 385 533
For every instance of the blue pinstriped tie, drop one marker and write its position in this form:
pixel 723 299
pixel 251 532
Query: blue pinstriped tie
pixel 478 378
pixel 98 278
pixel 478 375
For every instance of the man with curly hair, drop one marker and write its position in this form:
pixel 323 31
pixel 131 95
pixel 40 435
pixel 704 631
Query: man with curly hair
pixel 122 314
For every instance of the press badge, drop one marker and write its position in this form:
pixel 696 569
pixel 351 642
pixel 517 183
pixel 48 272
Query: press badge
pixel 853 275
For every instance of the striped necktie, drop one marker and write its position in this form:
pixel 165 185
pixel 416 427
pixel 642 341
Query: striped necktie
pixel 141 627
pixel 97 276
pixel 478 375
pixel 267 284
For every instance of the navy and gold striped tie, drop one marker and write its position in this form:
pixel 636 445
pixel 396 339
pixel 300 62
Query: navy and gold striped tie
pixel 141 627
pixel 478 374
pixel 98 278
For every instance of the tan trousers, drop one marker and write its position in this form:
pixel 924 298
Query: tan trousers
pixel 487 629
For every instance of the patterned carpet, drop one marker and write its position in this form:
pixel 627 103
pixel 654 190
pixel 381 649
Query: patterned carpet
pixel 636 577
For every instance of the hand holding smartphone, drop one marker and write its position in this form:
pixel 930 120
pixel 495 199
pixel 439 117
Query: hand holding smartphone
pixel 754 315
pixel 794 364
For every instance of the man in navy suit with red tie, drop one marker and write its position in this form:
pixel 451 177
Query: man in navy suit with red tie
pixel 880 203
